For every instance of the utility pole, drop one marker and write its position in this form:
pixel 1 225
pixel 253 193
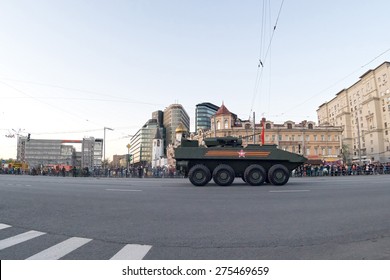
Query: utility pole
pixel 359 147
pixel 18 145
pixel 215 125
pixel 104 143
pixel 128 156
pixel 254 129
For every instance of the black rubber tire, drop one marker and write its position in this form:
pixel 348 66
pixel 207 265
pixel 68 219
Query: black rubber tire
pixel 278 174
pixel 223 175
pixel 255 175
pixel 199 175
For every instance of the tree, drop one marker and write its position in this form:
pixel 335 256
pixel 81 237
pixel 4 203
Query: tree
pixel 346 154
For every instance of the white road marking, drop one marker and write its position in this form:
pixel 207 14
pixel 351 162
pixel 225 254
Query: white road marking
pixel 128 252
pixel 11 241
pixel 61 249
pixel 122 190
pixel 289 191
pixel 2 226
pixel 132 252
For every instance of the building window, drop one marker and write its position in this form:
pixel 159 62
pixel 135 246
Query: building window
pixel 226 126
pixel 310 126
pixel 268 126
pixel 315 137
pixel 289 126
pixel 218 125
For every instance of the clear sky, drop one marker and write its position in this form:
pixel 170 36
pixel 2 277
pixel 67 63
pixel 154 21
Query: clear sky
pixel 69 68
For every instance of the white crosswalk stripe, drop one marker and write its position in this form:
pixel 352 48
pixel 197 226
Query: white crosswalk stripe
pixel 11 241
pixel 61 249
pixel 128 252
pixel 132 252
pixel 2 226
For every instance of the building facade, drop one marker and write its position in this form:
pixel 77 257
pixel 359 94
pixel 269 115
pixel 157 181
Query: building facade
pixel 305 138
pixel 174 115
pixel 158 155
pixel 91 153
pixel 141 143
pixel 203 114
pixel 363 111
pixel 41 152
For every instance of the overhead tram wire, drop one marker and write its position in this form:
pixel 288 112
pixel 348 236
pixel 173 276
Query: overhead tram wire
pixel 335 83
pixel 259 72
pixel 46 103
pixel 115 98
pixel 79 131
pixel 263 61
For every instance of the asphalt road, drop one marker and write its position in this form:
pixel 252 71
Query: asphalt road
pixel 89 218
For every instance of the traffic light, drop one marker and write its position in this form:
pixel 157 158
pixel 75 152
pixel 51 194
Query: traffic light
pixel 28 137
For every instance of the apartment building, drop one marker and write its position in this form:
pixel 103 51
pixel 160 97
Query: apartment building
pixel 363 111
pixel 174 115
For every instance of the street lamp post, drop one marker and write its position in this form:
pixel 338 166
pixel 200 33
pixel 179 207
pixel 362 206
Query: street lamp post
pixel 128 156
pixel 359 146
pixel 104 144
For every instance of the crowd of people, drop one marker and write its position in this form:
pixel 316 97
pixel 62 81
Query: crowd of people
pixel 139 172
pixel 342 169
pixel 120 172
pixel 307 170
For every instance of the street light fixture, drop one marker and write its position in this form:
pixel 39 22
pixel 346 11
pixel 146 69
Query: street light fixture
pixel 104 143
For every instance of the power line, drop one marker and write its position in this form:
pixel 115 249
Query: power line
pixel 337 82
pixel 115 97
pixel 263 60
pixel 81 99
pixel 46 103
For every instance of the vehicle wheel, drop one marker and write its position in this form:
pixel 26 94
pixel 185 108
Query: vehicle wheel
pixel 199 175
pixel 223 175
pixel 278 174
pixel 255 175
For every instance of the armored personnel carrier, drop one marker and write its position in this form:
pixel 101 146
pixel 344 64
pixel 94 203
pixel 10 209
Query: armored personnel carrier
pixel 224 158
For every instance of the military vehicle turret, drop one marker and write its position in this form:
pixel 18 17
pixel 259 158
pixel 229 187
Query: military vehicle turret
pixel 224 158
